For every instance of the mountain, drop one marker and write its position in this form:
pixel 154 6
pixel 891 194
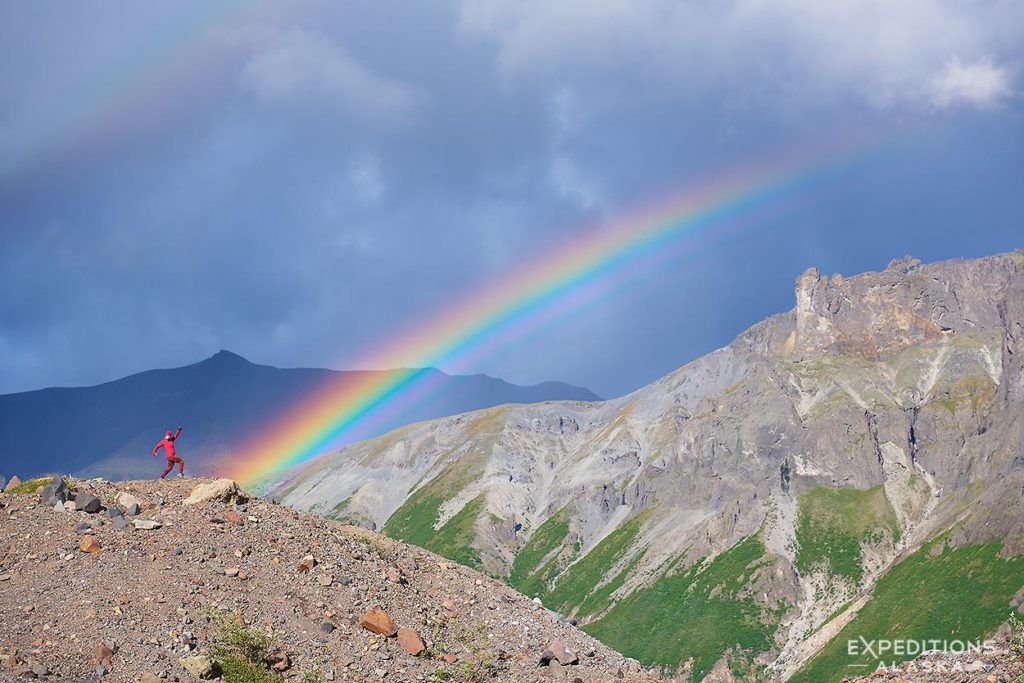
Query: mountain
pixel 109 430
pixel 264 594
pixel 852 468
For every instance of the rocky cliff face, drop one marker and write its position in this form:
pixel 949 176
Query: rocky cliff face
pixel 749 511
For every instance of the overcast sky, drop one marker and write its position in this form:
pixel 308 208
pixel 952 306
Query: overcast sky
pixel 300 181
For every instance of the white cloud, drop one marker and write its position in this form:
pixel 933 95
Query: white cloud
pixel 980 84
pixel 295 64
pixel 884 53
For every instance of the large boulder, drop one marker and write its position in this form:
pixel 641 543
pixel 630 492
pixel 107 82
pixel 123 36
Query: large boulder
pixel 219 489
pixel 55 492
pixel 86 502
pixel 12 482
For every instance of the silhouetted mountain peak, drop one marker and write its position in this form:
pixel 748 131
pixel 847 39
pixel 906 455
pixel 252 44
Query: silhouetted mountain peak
pixel 225 357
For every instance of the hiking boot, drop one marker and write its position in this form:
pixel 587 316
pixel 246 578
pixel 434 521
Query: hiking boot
pixel 180 475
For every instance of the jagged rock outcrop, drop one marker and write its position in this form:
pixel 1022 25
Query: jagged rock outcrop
pixel 825 445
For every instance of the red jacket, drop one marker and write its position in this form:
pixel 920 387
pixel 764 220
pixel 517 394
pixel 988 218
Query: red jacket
pixel 167 443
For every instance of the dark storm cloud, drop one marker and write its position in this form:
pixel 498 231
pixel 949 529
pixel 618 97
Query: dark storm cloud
pixel 300 182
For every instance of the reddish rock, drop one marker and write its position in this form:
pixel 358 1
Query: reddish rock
pixel 448 605
pixel 12 482
pixel 560 652
pixel 89 544
pixel 449 659
pixel 102 654
pixel 410 641
pixel 306 564
pixel 233 517
pixel 378 621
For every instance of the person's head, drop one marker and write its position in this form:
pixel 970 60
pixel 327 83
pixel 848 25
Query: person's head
pixel 167 434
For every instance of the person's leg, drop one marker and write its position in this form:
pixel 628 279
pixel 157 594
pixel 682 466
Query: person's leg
pixel 181 465
pixel 170 466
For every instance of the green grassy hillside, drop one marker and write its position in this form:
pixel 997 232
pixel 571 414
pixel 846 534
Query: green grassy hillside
pixel 700 613
pixel 834 522
pixel 958 594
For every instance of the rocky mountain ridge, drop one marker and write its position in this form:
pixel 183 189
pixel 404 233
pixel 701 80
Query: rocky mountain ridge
pixel 756 505
pixel 141 580
pixel 108 430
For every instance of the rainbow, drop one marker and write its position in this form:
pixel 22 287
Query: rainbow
pixel 146 87
pixel 593 262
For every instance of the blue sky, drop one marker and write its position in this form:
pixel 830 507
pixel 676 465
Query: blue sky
pixel 298 181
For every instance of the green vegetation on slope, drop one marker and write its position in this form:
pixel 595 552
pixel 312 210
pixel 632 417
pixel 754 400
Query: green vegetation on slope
pixel 529 576
pixel 414 521
pixel 697 613
pixel 455 539
pixel 962 594
pixel 27 487
pixel 835 521
pixel 582 578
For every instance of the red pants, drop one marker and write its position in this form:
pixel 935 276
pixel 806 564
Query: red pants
pixel 170 465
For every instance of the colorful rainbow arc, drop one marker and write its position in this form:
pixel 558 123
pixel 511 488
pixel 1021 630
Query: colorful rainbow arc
pixel 341 408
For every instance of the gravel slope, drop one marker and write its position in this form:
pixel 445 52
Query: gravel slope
pixel 149 596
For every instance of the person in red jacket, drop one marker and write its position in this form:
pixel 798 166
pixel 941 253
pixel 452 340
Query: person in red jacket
pixel 167 443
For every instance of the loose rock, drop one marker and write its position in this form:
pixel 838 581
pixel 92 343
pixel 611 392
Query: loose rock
pixel 377 621
pixel 199 666
pixel 89 544
pixel 86 502
pixel 218 489
pixel 410 641
pixel 146 524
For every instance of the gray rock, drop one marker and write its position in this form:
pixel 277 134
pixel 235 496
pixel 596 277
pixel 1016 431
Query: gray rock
pixel 54 492
pixel 86 502
pixel 146 524
pixel 119 523
pixel 112 513
pixel 132 509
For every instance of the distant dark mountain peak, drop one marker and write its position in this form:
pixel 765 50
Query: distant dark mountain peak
pixel 219 400
pixel 225 357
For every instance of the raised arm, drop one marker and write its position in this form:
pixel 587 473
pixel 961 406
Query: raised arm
pixel 176 433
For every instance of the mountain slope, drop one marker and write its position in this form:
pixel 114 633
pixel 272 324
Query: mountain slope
pixel 755 503
pixel 108 430
pixel 83 590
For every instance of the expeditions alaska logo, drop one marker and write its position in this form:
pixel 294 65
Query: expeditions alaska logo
pixel 885 653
